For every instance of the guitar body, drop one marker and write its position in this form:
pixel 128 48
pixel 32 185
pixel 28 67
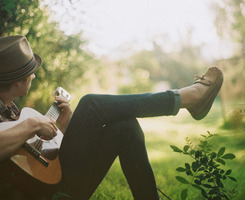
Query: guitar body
pixel 35 167
pixel 24 184
pixel 46 166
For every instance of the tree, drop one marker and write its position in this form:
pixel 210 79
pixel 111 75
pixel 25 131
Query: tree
pixel 148 68
pixel 230 22
pixel 64 61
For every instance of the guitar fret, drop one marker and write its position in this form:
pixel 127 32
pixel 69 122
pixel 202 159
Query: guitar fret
pixel 53 111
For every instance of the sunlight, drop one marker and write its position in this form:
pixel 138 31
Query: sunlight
pixel 109 24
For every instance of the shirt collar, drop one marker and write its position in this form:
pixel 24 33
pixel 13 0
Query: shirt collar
pixel 4 108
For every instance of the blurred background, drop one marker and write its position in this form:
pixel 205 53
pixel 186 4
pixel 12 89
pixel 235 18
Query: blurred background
pixel 123 46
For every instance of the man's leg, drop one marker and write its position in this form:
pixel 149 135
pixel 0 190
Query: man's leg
pixel 126 139
pixel 134 162
pixel 93 140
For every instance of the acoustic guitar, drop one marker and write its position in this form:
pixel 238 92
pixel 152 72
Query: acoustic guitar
pixel 37 157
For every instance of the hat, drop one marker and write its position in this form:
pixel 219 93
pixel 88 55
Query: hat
pixel 17 60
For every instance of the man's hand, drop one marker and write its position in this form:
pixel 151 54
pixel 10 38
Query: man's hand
pixel 47 128
pixel 65 113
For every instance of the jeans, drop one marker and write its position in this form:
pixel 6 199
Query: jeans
pixel 104 127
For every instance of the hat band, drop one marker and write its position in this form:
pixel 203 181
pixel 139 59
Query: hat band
pixel 19 73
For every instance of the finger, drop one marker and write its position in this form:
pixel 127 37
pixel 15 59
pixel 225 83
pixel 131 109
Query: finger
pixel 54 133
pixel 63 105
pixel 53 123
pixel 61 99
pixel 51 120
pixel 46 137
pixel 54 126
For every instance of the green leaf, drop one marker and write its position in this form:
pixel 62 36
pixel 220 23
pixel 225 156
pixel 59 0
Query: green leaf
pixel 207 186
pixel 198 154
pixel 221 185
pixel 232 178
pixel 229 156
pixel 211 180
pixel 181 169
pixel 220 161
pixel 192 152
pixel 213 155
pixel 204 193
pixel 187 166
pixel 197 186
pixel 221 151
pixel 228 172
pixel 197 182
pixel 186 147
pixel 205 143
pixel 204 160
pixel 195 166
pixel 182 180
pixel 175 149
pixel 207 176
pixel 184 194
pixel 218 198
pixel 189 173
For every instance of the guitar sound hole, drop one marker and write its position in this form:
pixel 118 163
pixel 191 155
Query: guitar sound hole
pixel 50 154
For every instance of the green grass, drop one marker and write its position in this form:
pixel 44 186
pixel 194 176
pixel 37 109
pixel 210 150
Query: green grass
pixel 160 133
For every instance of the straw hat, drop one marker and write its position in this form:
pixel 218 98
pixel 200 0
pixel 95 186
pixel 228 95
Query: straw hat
pixel 17 60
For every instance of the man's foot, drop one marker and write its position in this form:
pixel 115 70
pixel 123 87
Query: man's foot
pixel 198 98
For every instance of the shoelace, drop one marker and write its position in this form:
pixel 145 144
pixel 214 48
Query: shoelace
pixel 197 77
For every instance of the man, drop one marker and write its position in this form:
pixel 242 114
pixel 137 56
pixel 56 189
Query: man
pixel 102 127
pixel 18 65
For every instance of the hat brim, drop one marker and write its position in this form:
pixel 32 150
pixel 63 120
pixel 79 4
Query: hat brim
pixel 33 70
pixel 39 62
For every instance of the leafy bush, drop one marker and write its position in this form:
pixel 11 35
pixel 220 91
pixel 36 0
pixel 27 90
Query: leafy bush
pixel 205 172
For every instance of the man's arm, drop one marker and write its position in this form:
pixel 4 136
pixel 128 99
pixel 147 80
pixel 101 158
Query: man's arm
pixel 11 139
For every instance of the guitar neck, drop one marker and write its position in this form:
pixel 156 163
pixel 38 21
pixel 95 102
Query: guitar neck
pixel 53 111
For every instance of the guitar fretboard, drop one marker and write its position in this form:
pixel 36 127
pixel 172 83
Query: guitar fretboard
pixel 53 111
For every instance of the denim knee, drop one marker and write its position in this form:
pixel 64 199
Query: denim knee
pixel 89 108
pixel 88 99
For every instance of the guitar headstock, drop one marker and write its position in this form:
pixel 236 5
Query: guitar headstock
pixel 61 92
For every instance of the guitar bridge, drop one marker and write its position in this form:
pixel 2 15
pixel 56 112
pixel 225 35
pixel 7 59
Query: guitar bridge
pixel 36 154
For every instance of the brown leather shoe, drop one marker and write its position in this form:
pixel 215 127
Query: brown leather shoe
pixel 213 78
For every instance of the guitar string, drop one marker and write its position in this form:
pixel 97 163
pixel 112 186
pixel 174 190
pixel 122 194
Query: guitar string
pixel 53 112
